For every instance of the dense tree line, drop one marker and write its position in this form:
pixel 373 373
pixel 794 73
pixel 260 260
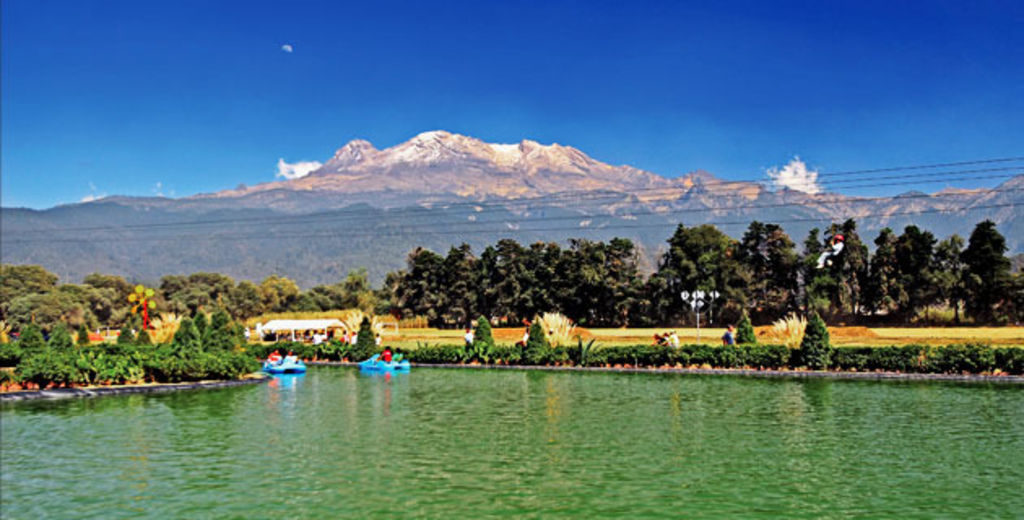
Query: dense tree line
pixel 910 277
pixel 763 275
pixel 32 295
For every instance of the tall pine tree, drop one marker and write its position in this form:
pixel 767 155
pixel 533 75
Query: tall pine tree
pixel 987 273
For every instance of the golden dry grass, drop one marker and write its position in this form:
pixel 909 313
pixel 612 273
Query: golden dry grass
pixel 841 336
pixel 351 318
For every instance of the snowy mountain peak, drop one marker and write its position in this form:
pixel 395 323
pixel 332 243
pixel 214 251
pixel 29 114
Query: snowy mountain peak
pixel 441 162
pixel 355 152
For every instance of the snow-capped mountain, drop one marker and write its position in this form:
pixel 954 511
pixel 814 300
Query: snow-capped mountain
pixel 368 207
pixel 443 163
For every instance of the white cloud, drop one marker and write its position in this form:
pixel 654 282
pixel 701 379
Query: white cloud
pixel 93 195
pixel 796 176
pixel 287 48
pixel 295 170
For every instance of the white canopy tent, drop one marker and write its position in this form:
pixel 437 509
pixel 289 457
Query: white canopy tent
pixel 279 326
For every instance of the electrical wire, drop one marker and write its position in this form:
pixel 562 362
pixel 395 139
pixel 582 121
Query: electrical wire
pixel 338 215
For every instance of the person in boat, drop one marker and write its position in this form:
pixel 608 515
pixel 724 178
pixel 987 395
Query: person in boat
pixel 835 247
pixel 386 355
pixel 290 358
pixel 274 357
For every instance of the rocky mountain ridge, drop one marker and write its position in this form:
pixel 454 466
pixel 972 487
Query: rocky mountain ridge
pixel 366 207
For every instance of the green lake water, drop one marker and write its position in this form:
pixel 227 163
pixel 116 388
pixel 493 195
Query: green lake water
pixel 485 443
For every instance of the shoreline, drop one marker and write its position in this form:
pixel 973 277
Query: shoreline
pixel 98 391
pixel 771 373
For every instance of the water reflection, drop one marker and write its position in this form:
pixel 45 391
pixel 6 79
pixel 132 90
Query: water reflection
pixel 510 443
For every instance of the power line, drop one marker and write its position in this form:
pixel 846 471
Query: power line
pixel 924 166
pixel 679 211
pixel 504 204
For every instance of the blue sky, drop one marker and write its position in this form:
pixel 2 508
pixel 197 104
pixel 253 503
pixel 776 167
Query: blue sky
pixel 112 97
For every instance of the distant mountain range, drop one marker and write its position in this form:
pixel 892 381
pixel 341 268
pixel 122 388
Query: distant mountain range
pixel 366 207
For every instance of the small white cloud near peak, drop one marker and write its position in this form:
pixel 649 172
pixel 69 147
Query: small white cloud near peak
pixel 296 170
pixel 93 194
pixel 796 176
pixel 288 48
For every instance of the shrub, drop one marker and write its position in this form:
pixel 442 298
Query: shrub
pixel 728 357
pixel 905 358
pixel 10 354
pixel 125 337
pixel 426 353
pixel 187 339
pixel 536 346
pixel 853 358
pixel 259 350
pixel 31 340
pixel 506 353
pixel 789 330
pixel 765 356
pixel 219 335
pixel 972 358
pixel 83 336
pixel 1010 359
pixel 701 354
pixel 581 353
pixel 365 344
pixel 60 339
pixel 164 327
pixel 143 338
pixel 483 341
pixel 558 329
pixel 333 350
pixel 745 331
pixel 48 366
pixel 202 325
pixel 816 346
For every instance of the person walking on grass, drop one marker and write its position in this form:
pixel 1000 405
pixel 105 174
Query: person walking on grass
pixel 728 338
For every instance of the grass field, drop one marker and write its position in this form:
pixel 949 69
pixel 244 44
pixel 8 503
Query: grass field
pixel 1002 336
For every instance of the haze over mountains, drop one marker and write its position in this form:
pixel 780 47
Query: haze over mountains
pixel 366 207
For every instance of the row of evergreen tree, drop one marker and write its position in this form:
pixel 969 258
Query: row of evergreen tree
pixel 909 276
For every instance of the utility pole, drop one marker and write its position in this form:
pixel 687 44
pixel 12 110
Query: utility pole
pixel 697 301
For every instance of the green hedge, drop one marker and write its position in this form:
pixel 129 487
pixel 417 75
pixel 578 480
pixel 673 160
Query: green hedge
pixel 436 354
pixel 124 363
pixel 952 359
